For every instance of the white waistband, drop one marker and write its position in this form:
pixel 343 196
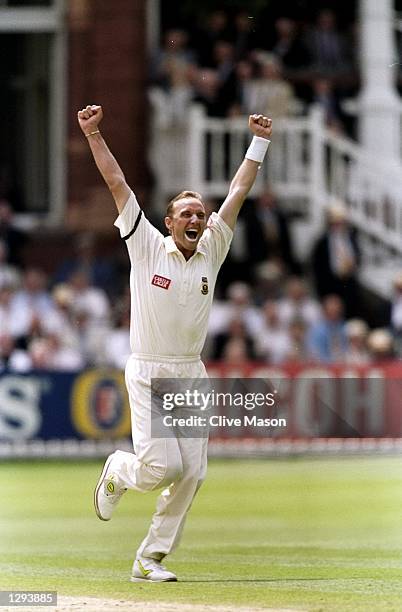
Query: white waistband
pixel 167 358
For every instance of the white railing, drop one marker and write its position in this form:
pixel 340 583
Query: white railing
pixel 307 166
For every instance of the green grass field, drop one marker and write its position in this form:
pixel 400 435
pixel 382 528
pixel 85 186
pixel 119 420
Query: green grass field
pixel 318 534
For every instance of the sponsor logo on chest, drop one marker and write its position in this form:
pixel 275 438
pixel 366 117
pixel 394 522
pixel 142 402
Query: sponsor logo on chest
pixel 161 281
pixel 204 285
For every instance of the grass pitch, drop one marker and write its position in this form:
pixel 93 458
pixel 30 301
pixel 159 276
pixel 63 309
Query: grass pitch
pixel 318 534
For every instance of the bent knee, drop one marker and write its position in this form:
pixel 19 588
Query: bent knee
pixel 164 476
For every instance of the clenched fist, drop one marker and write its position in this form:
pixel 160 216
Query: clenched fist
pixel 89 118
pixel 260 125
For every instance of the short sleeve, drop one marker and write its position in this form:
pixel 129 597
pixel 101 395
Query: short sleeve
pixel 217 238
pixel 136 230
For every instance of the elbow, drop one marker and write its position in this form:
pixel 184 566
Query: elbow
pixel 240 191
pixel 115 182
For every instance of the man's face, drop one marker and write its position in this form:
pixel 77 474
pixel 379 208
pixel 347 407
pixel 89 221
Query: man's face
pixel 187 224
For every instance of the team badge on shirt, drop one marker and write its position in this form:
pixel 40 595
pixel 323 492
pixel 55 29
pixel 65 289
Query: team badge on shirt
pixel 161 281
pixel 204 285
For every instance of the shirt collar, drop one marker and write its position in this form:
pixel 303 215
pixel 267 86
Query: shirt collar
pixel 171 247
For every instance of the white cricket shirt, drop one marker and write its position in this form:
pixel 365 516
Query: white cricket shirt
pixel 170 297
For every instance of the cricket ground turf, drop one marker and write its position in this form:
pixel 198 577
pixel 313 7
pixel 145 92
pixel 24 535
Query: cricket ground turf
pixel 302 534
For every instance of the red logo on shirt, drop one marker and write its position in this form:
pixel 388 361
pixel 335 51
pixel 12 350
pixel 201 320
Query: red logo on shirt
pixel 161 281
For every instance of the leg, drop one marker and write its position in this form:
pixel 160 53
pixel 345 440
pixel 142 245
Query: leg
pixel 175 501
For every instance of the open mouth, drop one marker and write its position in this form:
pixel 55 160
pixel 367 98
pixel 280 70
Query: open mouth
pixel 191 234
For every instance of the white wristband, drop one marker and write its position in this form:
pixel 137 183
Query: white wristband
pixel 257 149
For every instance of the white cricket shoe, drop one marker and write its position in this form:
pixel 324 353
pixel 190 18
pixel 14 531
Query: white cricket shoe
pixel 151 570
pixel 107 492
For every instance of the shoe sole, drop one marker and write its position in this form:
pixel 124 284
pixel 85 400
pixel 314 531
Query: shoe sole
pixel 134 579
pixel 98 486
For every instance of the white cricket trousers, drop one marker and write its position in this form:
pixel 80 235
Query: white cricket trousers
pixel 178 464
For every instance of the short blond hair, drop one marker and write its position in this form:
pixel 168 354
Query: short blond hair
pixel 181 196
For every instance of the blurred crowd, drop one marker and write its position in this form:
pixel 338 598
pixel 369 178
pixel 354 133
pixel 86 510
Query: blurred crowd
pixel 268 309
pixel 232 67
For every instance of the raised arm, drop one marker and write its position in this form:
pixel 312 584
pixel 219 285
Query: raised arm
pixel 244 178
pixel 89 119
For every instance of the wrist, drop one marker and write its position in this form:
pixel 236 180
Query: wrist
pixel 257 149
pixel 91 133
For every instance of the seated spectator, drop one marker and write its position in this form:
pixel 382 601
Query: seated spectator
pixel 269 93
pixel 326 46
pixel 268 231
pixel 207 90
pixel 243 35
pixel 298 304
pixel 12 358
pixel 335 260
pixel 117 342
pixel 324 95
pixel 381 346
pixel 88 298
pixel 272 339
pixel 30 304
pixel 357 351
pixel 100 271
pixel 48 353
pixel 6 312
pixel 175 49
pixel 235 353
pixel 299 350
pixel 214 29
pixel 235 329
pixel 289 47
pixel 327 338
pixel 238 306
pixel 396 313
pixel 9 273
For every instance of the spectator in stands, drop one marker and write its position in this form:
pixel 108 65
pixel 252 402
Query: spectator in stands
pixel 117 342
pixel 235 353
pixel 88 298
pixel 12 358
pixel 326 46
pixel 324 95
pixel 272 339
pixel 61 320
pixel 335 260
pixel 327 338
pixel 48 353
pixel 289 47
pixel 396 313
pixel 215 28
pixel 298 304
pixel 236 329
pixel 13 239
pixel 268 229
pixel 6 316
pixel 9 273
pixel 244 77
pixel 270 92
pixel 299 350
pixel 357 333
pixel 31 304
pixel 243 35
pixel 381 345
pixel 238 306
pixel 100 271
pixel 207 93
pixel 175 50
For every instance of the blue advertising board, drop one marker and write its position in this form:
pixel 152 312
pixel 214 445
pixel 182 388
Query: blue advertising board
pixel 87 405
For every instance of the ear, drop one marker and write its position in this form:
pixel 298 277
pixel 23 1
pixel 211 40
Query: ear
pixel 168 223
